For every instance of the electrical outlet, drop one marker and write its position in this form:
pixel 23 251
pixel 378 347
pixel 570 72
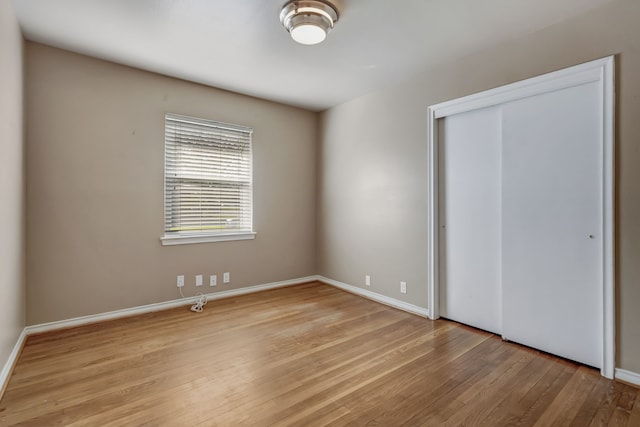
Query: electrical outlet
pixel 403 287
pixel 226 277
pixel 199 280
pixel 213 280
pixel 180 281
pixel 367 280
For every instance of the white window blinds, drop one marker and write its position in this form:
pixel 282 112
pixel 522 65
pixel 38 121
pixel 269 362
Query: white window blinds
pixel 207 177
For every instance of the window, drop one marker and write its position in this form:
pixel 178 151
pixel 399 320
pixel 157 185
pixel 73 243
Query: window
pixel 207 181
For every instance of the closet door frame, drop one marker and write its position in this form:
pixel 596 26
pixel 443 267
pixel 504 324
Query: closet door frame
pixel 600 71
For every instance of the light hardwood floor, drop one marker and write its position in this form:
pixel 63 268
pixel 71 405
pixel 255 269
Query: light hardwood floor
pixel 307 355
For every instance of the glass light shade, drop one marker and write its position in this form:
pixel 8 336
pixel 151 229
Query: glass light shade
pixel 308 21
pixel 308 34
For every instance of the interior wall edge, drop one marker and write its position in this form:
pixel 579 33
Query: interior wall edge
pixel 374 296
pixel 11 362
pixel 12 187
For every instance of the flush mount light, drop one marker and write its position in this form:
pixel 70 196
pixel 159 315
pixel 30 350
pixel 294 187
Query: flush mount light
pixel 308 21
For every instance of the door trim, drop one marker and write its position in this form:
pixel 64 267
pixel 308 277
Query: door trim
pixel 601 71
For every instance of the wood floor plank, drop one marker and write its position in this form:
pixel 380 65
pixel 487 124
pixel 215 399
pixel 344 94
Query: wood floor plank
pixel 413 404
pixel 531 407
pixel 567 403
pixel 625 405
pixel 307 355
pixel 361 373
pixel 607 403
pixel 634 417
pixel 395 389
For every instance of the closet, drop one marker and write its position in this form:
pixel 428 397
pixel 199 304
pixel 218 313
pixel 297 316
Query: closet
pixel 521 213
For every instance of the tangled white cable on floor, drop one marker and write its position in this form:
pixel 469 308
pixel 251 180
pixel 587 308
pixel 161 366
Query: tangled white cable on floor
pixel 199 302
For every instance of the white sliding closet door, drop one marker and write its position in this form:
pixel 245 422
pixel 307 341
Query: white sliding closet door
pixel 552 220
pixel 470 218
pixel 521 212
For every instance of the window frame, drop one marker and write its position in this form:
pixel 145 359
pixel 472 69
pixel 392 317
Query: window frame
pixel 202 236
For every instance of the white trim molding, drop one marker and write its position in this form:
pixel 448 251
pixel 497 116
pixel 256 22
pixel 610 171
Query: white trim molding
pixel 7 369
pixel 602 71
pixel 187 239
pixel 392 302
pixel 628 377
pixel 620 374
pixel 101 317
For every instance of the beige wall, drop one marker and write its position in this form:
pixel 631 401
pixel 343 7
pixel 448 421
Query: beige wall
pixel 95 141
pixel 12 276
pixel 373 160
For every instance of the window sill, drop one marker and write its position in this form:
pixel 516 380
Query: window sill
pixel 190 239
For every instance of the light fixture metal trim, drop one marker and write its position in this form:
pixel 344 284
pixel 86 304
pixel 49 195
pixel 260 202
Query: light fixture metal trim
pixel 315 16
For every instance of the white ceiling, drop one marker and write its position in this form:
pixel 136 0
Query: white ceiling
pixel 240 45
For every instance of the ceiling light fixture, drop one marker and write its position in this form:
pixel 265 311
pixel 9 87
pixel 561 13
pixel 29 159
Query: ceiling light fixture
pixel 308 21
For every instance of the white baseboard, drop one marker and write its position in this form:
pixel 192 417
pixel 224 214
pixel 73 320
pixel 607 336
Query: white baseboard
pixel 628 377
pixel 401 305
pixel 93 318
pixel 11 361
pixel 621 374
pixel 100 317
